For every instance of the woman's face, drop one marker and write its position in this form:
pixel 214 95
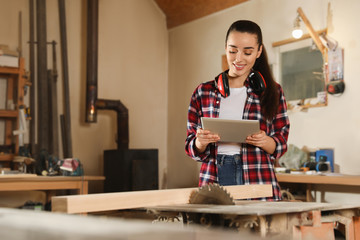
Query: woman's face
pixel 242 50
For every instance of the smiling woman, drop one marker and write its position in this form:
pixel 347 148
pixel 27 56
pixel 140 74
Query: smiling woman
pixel 233 95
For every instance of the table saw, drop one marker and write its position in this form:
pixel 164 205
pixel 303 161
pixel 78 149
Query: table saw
pixel 212 206
pixel 215 206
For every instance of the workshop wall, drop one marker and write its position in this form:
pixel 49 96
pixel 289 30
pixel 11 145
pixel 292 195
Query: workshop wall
pixel 137 55
pixel 195 51
pixel 132 68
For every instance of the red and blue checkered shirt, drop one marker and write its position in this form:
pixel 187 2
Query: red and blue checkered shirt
pixel 258 165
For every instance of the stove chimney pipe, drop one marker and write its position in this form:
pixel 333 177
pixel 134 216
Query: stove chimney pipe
pixel 92 59
pixel 92 101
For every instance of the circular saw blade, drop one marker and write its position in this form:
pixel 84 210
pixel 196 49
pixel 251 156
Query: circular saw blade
pixel 211 194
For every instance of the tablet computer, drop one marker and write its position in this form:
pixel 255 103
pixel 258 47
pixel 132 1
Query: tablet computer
pixel 231 130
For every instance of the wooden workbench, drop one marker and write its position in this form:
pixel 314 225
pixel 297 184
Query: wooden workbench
pixel 352 180
pixel 311 180
pixel 26 182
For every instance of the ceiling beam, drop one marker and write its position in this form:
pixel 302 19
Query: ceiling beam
pixel 179 12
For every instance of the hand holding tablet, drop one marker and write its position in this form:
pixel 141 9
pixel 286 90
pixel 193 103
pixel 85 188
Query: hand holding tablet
pixel 231 130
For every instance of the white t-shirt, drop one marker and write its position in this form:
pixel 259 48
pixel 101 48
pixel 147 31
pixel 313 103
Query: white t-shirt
pixel 232 107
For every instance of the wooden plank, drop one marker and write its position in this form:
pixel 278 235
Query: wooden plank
pixel 8 70
pixel 356 221
pixel 8 131
pixel 6 157
pixel 249 191
pixel 9 125
pixel 21 83
pixel 291 40
pixel 138 199
pixel 18 175
pixel 9 113
pixel 311 30
pixel 20 178
pixel 10 91
pixel 31 185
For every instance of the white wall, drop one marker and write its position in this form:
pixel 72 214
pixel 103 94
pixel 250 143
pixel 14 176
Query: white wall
pixel 132 68
pixel 195 57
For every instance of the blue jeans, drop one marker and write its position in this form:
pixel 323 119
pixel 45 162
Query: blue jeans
pixel 229 169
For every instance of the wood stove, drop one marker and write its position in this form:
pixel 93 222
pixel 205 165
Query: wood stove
pixel 130 170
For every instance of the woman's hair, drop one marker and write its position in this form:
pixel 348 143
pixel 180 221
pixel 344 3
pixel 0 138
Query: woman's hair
pixel 269 99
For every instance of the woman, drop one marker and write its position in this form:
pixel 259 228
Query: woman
pixel 245 97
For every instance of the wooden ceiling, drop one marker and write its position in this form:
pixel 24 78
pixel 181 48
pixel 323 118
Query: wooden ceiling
pixel 182 11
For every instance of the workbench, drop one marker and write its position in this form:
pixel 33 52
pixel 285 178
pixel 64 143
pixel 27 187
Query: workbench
pixel 27 182
pixel 309 181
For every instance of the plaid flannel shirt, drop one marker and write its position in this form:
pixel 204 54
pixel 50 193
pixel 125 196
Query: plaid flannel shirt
pixel 258 166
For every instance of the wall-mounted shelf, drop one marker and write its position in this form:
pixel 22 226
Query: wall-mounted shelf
pixel 14 93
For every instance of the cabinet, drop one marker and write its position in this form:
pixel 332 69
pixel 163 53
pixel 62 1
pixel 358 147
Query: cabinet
pixel 15 83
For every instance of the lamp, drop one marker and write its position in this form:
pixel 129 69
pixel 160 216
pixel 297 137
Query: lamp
pixel 297 32
pixel 314 35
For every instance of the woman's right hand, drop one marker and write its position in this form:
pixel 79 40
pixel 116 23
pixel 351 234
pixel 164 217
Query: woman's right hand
pixel 203 138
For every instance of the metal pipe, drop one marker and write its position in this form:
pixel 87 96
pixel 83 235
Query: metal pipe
pixel 67 148
pixel 122 120
pixel 92 60
pixel 43 106
pixel 32 77
pixel 54 133
pixel 62 129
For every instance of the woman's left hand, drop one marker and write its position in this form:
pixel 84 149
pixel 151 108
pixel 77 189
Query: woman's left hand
pixel 263 141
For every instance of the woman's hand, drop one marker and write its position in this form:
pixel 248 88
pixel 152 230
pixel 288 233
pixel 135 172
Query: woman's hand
pixel 203 138
pixel 263 141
